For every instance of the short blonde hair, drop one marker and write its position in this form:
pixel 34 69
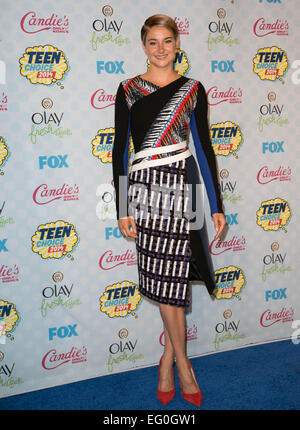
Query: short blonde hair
pixel 160 20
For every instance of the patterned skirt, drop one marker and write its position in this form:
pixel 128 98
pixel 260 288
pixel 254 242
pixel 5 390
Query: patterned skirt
pixel 159 203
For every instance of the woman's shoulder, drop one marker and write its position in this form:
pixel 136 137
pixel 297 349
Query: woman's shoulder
pixel 196 82
pixel 128 80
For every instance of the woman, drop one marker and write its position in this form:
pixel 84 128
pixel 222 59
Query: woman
pixel 158 109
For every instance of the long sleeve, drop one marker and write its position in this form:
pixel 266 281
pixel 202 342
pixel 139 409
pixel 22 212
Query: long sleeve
pixel 120 152
pixel 204 151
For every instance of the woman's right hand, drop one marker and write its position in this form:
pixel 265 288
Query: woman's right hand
pixel 124 224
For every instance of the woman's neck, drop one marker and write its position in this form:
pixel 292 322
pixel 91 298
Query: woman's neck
pixel 159 76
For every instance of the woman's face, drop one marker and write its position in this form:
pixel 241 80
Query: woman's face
pixel 160 47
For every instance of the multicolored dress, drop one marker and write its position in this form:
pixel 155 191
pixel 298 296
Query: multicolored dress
pixel 161 189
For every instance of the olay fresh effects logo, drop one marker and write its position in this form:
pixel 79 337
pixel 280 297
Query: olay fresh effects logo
pixel 215 96
pixel 4 221
pixel 4 154
pixel 269 318
pixel 106 208
pixel 107 29
pixel 263 27
pixel 229 282
pixel 219 31
pixel 227 330
pixel 45 65
pixel 45 194
pixel 8 379
pixel 270 63
pixel 273 214
pixel 47 123
pixel 53 359
pixel 271 113
pixel 58 295
pixel 32 23
pixel 120 299
pixel 109 260
pixel 55 239
pixel 228 187
pixel 226 138
pixel 122 351
pixel 266 174
pixel 274 262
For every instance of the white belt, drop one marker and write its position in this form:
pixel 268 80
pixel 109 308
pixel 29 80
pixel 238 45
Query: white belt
pixel 160 150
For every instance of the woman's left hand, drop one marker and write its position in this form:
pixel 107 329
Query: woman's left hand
pixel 219 223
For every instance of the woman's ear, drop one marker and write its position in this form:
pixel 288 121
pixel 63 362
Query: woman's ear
pixel 144 48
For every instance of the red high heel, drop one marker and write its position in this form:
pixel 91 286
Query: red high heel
pixel 196 398
pixel 164 396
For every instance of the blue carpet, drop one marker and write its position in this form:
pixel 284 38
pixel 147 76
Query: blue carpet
pixel 261 377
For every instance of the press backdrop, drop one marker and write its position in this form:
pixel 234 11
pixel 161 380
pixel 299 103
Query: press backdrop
pixel 69 304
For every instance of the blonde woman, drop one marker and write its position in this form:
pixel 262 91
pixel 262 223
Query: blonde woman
pixel 158 109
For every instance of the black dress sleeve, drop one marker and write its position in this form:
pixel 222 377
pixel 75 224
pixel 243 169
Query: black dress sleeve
pixel 120 152
pixel 204 151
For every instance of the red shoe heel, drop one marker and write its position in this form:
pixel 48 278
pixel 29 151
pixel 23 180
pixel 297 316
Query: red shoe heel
pixel 196 398
pixel 164 396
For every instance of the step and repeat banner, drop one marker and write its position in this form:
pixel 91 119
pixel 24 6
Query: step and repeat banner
pixel 70 307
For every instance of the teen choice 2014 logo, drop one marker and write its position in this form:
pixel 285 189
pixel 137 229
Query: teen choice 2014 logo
pixel 229 282
pixel 4 154
pixel 103 142
pixel 120 299
pixel 55 239
pixel 273 214
pixel 181 62
pixel 9 318
pixel 44 65
pixel 226 138
pixel 270 63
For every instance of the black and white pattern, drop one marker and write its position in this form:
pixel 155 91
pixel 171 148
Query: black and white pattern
pixel 162 245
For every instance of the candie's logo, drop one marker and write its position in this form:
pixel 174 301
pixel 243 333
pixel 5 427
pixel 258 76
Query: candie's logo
pixel 53 359
pixel 9 318
pixel 32 24
pixel 226 138
pixel 229 282
pixel 266 175
pixel 120 299
pixel 54 239
pixel 44 65
pixel 4 154
pixel 230 95
pixel 45 194
pixel 181 62
pixel 270 63
pixel 273 214
pixel 269 318
pixel 263 28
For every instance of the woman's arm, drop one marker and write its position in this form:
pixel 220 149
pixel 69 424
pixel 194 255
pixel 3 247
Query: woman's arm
pixel 120 152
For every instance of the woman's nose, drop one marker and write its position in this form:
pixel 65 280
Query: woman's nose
pixel 161 47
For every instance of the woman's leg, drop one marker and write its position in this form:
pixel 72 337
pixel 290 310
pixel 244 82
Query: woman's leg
pixel 175 325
